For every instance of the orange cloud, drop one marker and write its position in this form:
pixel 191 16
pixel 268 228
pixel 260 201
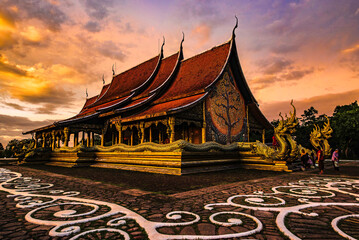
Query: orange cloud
pixel 202 32
pixel 32 34
pixel 7 29
pixel 352 49
pixel 325 104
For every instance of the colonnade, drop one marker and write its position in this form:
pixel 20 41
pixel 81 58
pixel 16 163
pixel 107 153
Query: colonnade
pixel 54 138
pixel 157 131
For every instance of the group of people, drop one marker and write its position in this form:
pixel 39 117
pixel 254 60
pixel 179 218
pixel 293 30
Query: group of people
pixel 308 161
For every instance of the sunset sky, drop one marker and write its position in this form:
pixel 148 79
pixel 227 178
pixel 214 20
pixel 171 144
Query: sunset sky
pixel 52 50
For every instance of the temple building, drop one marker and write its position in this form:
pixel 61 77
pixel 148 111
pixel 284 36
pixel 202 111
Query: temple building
pixel 164 99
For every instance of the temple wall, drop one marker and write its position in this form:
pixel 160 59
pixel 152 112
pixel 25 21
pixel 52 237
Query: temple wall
pixel 173 163
pixel 225 112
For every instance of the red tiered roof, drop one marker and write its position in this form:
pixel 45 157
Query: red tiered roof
pixel 103 91
pixel 123 83
pixel 197 72
pixel 162 108
pixel 88 102
pixel 166 68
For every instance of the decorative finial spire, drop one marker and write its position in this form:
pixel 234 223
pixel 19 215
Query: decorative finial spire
pixel 113 69
pixel 163 43
pixel 182 39
pixel 87 93
pixel 103 79
pixel 233 34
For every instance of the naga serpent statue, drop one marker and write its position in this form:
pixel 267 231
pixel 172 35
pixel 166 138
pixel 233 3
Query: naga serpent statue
pixel 288 149
pixel 319 137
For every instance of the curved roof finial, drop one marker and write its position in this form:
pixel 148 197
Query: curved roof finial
pixel 182 39
pixel 163 43
pixel 233 34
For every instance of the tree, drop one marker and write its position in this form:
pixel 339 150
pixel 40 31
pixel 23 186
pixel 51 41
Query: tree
pixel 1 147
pixel 345 124
pixel 16 148
pixel 308 117
pixel 306 126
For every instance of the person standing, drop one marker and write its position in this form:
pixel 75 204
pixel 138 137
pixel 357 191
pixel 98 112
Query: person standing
pixel 320 157
pixel 335 159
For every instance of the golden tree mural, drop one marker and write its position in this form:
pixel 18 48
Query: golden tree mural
pixel 227 108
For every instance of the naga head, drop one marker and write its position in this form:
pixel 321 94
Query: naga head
pixel 327 130
pixel 315 137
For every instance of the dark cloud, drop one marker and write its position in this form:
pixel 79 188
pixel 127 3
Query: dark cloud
pixel 92 26
pixel 9 68
pixel 16 122
pixel 98 9
pixel 293 25
pixel 284 48
pixel 325 104
pixel 47 109
pixel 14 105
pixel 13 126
pixel 208 12
pixel 279 70
pixel 351 61
pixel 128 28
pixel 107 48
pixel 111 50
pixel 47 95
pixel 273 66
pixel 50 14
pixel 296 74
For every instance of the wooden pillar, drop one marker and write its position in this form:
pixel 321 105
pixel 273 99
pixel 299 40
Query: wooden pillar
pixel 131 142
pixel 83 138
pixel 247 125
pixel 53 140
pixel 150 130
pixel 264 136
pixel 88 140
pixel 76 139
pixel 171 123
pixel 159 136
pixel 43 140
pixel 113 138
pixel 103 138
pixel 118 126
pixel 190 133
pixel 92 143
pixel 36 139
pixel 67 136
pixel 142 129
pixel 204 124
pixel 58 141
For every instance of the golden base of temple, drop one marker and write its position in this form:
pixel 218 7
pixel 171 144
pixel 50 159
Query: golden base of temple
pixel 173 163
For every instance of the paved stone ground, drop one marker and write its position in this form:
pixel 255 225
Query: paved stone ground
pixel 303 208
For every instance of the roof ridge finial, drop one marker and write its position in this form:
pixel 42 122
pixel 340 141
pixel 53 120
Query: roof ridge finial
pixel 233 34
pixel 113 70
pixel 103 79
pixel 87 95
pixel 182 40
pixel 163 43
